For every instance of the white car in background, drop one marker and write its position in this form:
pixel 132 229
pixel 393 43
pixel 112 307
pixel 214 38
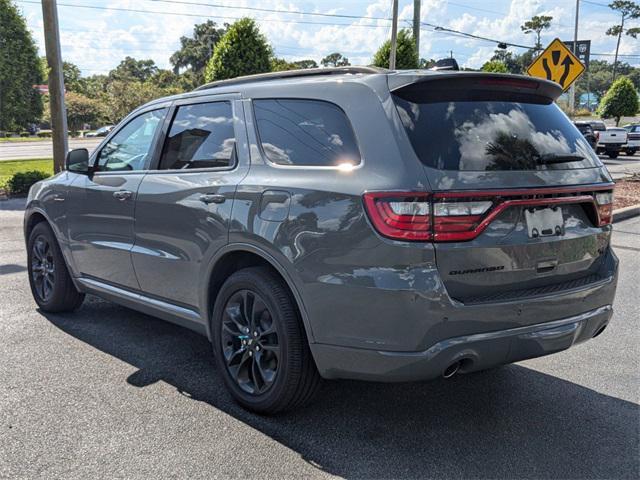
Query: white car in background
pixel 611 141
pixel 633 140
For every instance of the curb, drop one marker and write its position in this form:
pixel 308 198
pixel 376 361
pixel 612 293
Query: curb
pixel 626 213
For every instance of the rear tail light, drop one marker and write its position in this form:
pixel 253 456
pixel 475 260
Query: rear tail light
pixel 461 216
pixel 604 202
pixel 597 134
pixel 401 216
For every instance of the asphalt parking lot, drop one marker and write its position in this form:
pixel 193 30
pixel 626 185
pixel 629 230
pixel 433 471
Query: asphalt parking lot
pixel 110 392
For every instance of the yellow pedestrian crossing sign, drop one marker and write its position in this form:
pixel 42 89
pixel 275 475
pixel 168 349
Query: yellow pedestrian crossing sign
pixel 558 64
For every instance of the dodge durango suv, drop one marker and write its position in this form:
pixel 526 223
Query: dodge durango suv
pixel 350 223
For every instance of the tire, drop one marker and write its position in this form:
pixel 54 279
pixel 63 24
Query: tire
pixel 612 155
pixel 50 282
pixel 259 343
pixel 629 152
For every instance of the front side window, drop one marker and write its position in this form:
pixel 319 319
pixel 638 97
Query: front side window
pixel 305 133
pixel 201 136
pixel 129 148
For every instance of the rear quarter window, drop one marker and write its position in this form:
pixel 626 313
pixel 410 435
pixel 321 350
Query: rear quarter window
pixel 305 133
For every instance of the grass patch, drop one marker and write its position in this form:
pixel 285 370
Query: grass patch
pixel 23 139
pixel 9 167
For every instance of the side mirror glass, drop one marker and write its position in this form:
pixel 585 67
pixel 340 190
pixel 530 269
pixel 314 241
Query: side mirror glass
pixel 77 161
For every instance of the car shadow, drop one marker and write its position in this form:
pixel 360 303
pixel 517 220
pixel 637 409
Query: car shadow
pixel 509 422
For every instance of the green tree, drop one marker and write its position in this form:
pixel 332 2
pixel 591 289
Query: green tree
pixel 122 96
pixel 495 66
pixel 406 53
pixel 132 69
pixel 335 59
pixel 243 50
pixel 20 70
pixel 512 61
pixel 195 52
pixel 536 25
pixel 302 64
pixel 621 100
pixel 628 10
pixel 81 110
pixel 424 63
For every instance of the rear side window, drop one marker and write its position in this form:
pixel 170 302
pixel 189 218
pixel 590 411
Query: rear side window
pixel 305 133
pixel 201 136
pixel 494 132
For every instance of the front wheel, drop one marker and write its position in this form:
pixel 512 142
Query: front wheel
pixel 630 152
pixel 259 343
pixel 612 155
pixel 50 282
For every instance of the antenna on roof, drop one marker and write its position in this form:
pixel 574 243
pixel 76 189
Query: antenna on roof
pixel 446 64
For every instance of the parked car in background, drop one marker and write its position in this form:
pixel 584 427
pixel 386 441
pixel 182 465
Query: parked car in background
pixel 633 141
pixel 611 141
pixel 101 132
pixel 333 223
pixel 588 133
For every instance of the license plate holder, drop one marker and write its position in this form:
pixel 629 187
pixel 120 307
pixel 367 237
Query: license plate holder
pixel 544 222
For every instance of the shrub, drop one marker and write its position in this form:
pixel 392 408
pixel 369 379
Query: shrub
pixel 242 50
pixel 44 134
pixel 24 134
pixel 621 100
pixel 20 182
pixel 406 52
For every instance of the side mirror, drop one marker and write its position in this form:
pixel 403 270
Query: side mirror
pixel 77 161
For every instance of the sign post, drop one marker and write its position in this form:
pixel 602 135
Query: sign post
pixel 558 64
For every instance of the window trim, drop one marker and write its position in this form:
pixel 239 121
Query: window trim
pixel 154 142
pixel 265 157
pixel 167 127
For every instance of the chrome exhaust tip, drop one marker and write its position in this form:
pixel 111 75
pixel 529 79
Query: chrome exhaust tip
pixel 451 370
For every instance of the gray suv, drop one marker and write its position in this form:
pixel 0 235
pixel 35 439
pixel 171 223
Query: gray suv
pixel 339 223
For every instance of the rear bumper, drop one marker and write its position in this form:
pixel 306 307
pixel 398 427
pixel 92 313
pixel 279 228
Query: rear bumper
pixel 475 352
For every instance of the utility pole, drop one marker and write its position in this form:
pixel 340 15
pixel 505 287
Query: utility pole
pixel 394 36
pixel 416 24
pixel 56 83
pixel 572 89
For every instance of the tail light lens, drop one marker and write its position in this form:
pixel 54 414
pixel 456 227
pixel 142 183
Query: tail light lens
pixel 604 202
pixel 461 216
pixel 401 216
pixel 597 134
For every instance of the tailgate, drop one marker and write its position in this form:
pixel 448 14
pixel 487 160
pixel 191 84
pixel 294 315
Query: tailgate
pixel 520 203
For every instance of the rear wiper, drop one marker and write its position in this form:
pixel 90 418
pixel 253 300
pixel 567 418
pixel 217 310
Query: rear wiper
pixel 559 158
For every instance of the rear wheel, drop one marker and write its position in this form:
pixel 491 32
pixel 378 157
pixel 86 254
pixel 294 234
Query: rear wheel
pixel 259 343
pixel 629 152
pixel 612 154
pixel 50 282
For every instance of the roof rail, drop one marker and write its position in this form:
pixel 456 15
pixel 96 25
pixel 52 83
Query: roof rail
pixel 306 72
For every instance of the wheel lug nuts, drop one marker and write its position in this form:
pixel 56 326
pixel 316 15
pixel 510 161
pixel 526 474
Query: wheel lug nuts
pixel 257 348
pixel 255 334
pixel 250 353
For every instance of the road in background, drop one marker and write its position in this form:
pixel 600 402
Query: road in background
pixel 43 149
pixel 109 392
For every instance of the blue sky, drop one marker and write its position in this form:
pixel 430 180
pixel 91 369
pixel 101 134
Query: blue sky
pixel 96 39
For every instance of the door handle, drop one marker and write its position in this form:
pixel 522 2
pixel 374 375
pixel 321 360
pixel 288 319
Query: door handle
pixel 212 198
pixel 122 195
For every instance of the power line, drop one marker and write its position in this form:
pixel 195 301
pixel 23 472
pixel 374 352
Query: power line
pixel 200 15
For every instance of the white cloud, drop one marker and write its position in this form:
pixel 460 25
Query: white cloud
pixel 97 40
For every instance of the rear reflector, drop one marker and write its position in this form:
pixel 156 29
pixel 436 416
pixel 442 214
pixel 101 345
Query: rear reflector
pixel 462 216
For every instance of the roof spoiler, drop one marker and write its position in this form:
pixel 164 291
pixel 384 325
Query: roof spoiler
pixel 467 80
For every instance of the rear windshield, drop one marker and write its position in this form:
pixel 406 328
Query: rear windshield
pixel 492 134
